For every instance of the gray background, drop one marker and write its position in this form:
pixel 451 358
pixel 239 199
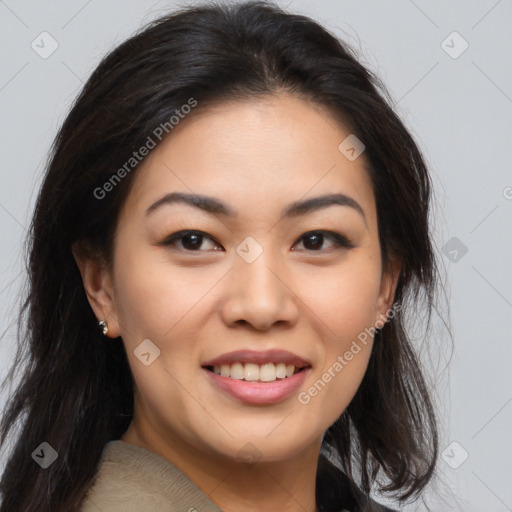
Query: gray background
pixel 457 106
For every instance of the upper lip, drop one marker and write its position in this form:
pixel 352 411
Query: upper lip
pixel 258 357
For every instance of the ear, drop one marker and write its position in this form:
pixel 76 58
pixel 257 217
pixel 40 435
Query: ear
pixel 98 286
pixel 388 284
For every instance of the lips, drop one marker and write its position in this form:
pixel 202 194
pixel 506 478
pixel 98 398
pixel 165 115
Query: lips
pixel 257 377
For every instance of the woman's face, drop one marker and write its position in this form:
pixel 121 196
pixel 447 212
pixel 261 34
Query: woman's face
pixel 271 271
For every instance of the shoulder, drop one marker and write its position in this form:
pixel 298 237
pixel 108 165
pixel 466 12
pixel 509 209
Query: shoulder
pixel 130 478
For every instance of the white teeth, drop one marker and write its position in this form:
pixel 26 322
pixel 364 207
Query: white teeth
pixel 237 371
pixel 281 371
pixel 267 372
pixel 251 371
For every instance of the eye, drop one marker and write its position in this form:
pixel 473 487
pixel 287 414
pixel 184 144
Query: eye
pixel 190 240
pixel 313 240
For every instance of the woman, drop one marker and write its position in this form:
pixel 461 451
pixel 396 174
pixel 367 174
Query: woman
pixel 232 227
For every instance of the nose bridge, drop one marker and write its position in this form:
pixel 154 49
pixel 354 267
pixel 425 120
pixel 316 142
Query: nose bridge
pixel 258 293
pixel 261 276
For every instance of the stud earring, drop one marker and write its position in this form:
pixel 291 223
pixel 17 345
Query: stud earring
pixel 103 327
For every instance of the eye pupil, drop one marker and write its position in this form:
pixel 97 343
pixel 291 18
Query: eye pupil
pixel 317 241
pixel 196 241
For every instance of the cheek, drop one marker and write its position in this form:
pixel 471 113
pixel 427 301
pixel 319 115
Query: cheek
pixel 345 305
pixel 339 383
pixel 153 297
pixel 340 372
pixel 160 302
pixel 344 298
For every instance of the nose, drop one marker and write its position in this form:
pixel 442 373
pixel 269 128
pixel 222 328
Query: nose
pixel 260 294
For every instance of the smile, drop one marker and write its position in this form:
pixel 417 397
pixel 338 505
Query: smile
pixel 252 372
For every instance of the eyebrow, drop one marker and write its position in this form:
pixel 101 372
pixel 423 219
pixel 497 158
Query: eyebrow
pixel 295 209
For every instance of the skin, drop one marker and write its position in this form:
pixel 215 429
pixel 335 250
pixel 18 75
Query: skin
pixel 257 156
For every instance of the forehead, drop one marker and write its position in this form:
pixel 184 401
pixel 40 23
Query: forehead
pixel 255 154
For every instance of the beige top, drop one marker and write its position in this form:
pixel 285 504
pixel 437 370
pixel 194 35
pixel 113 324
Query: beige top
pixel 133 479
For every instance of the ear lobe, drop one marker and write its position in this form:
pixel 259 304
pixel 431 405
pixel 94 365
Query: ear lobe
pixel 98 287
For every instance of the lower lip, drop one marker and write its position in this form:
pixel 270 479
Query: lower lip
pixel 259 392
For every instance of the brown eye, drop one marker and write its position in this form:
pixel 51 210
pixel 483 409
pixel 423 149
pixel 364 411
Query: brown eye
pixel 190 240
pixel 314 240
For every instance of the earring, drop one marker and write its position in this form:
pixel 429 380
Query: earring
pixel 103 327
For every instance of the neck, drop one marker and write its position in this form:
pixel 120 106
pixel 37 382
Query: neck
pixel 285 485
pixel 235 486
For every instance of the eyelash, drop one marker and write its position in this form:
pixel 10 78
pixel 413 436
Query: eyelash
pixel 340 241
